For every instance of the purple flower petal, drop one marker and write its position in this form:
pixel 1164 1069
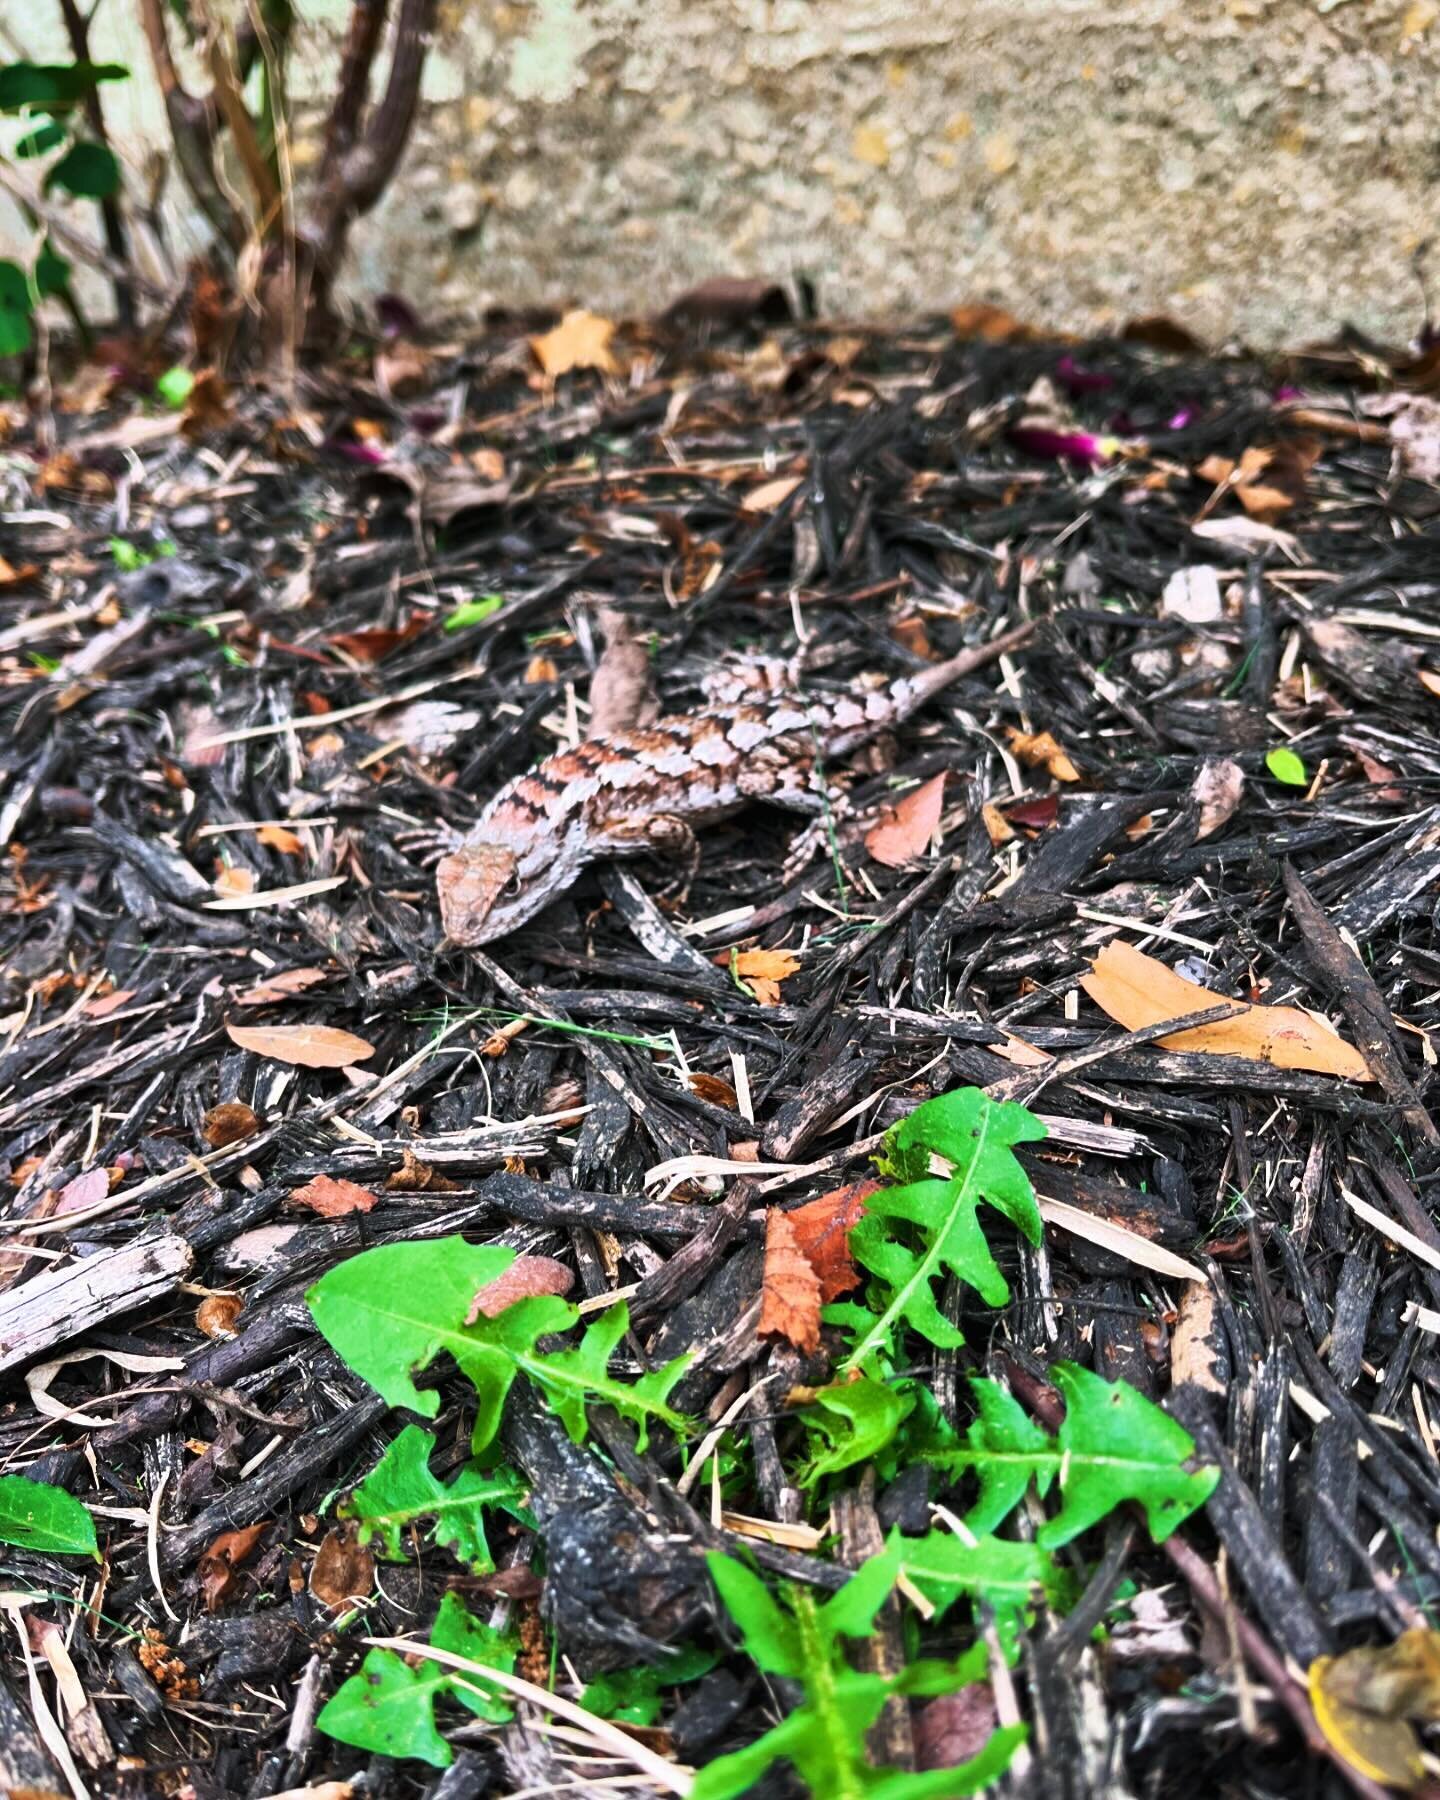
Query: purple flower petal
pixel 1081 381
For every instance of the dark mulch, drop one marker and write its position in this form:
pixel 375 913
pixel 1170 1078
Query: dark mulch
pixel 922 520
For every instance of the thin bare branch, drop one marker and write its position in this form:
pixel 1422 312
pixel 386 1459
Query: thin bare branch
pixel 192 129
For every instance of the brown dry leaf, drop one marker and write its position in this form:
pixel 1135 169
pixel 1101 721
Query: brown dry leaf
pixel 234 882
pixel 713 1089
pixel 231 1122
pixel 1039 750
pixel 991 324
pixel 10 576
pixel 790 1290
pixel 106 1004
pixel 622 689
pixel 343 1571
pixel 279 987
pixel 729 300
pixel 333 1198
pixel 906 830
pixel 402 368
pixel 822 1228
pixel 1365 1701
pixel 762 971
pixel 997 826
pixel 1217 791
pixel 910 631
pixel 217 1314
pixel 375 642
pixel 770 494
pixel 208 407
pixel 527 1278
pixel 83 1190
pixel 953 1728
pixel 218 1564
pixel 580 341
pixel 539 670
pixel 308 1046
pixel 1016 1050
pixel 1138 990
pixel 1429 680
pixel 414 1176
pixel 281 838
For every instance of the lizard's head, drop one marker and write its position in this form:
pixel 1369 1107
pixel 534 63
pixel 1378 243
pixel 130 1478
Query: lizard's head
pixel 487 890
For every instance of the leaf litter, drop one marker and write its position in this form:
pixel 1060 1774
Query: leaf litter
pixel 980 1305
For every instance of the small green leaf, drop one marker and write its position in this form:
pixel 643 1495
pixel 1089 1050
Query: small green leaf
pixel 856 1420
pixel 389 1708
pixel 42 139
pixel 129 557
pixel 52 87
pixel 36 1516
pixel 771 1640
pixel 87 170
pixel 174 387
pixel 1009 1575
pixel 634 1694
pixel 473 611
pixel 16 335
pixel 1286 766
pixel 51 272
pixel 401 1490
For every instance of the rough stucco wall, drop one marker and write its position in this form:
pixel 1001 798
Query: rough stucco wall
pixel 1259 168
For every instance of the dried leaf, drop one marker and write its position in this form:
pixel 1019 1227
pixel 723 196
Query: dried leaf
pixel 997 826
pixel 279 987
pixel 375 643
pixel 711 1088
pixel 906 830
pixel 84 1190
pixel 102 1007
pixel 217 1314
pixel 333 1198
pixel 1429 680
pixel 218 1564
pixel 1365 1700
pixel 951 1729
pixel 527 1278
pixel 308 1046
pixel 1138 990
pixel 580 341
pixel 10 576
pixel 231 1122
pixel 207 407
pixel 790 1290
pixel 991 324
pixel 771 494
pixel 279 837
pixel 1217 791
pixel 761 971
pixel 343 1570
pixel 1039 750
pixel 821 1229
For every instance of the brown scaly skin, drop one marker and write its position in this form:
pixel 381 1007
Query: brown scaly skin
pixel 643 791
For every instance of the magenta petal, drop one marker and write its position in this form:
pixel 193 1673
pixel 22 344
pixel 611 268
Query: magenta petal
pixel 1081 381
pixel 1067 446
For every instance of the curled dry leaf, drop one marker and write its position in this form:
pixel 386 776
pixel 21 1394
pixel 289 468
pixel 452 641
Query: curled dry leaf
pixel 217 1314
pixel 279 986
pixel 231 1122
pixel 580 341
pixel 414 1176
pixel 308 1046
pixel 770 494
pixel 997 826
pixel 822 1230
pixel 761 971
pixel 332 1198
pixel 527 1278
pixel 1138 990
pixel 622 689
pixel 1217 791
pixel 218 1564
pixel 343 1570
pixel 1365 1701
pixel 952 1728
pixel 279 837
pixel 102 1007
pixel 713 1089
pixel 1040 750
pixel 790 1288
pixel 906 830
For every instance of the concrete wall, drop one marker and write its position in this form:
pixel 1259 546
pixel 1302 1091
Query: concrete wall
pixel 1258 168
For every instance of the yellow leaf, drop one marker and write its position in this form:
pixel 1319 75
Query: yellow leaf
pixel 1365 1699
pixel 580 341
pixel 1138 990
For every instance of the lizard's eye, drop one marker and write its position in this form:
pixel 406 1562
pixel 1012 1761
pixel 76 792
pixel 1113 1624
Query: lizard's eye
pixel 512 886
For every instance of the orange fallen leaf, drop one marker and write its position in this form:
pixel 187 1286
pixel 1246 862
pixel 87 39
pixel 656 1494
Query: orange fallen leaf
pixel 279 837
pixel 790 1288
pixel 1040 750
pixel 308 1046
pixel 991 324
pixel 235 881
pixel 1016 1050
pixel 10 576
pixel 375 643
pixel 218 1564
pixel 580 341
pixel 1138 990
pixel 108 1003
pixel 231 1122
pixel 906 830
pixel 761 971
pixel 217 1314
pixel 527 1278
pixel 333 1198
pixel 822 1230
pixel 997 826
pixel 208 406
pixel 1430 679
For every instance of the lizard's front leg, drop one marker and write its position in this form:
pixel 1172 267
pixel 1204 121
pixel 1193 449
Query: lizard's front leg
pixel 664 835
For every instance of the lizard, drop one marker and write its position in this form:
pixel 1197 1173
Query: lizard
pixel 642 791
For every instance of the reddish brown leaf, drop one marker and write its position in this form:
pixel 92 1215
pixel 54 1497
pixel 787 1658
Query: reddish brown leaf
pixel 281 838
pixel 208 407
pixel 526 1279
pixel 231 1122
pixel 1035 815
pixel 955 1727
pixel 218 1564
pixel 790 1291
pixel 108 1003
pixel 216 1316
pixel 713 1089
pixel 822 1233
pixel 309 1046
pixel 332 1199
pixel 279 987
pixel 905 832
pixel 343 1571
pixel 85 1190
pixel 376 643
